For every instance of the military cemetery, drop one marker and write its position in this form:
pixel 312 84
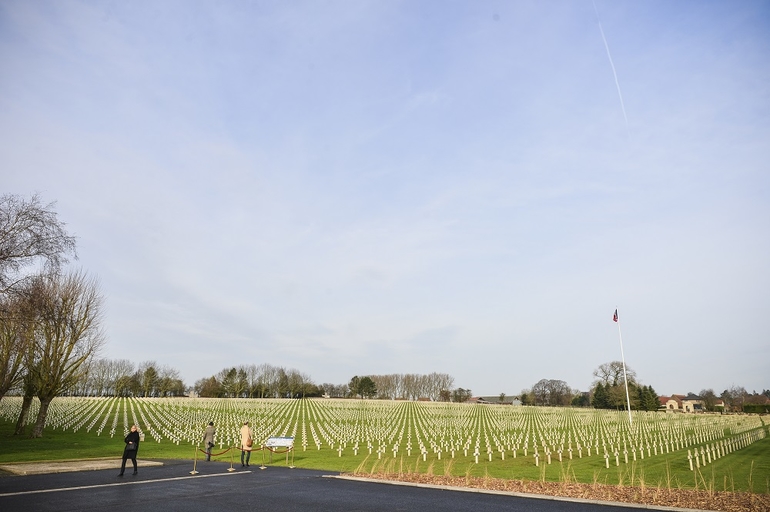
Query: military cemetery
pixel 661 449
pixel 404 193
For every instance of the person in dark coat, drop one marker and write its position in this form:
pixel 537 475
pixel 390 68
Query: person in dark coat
pixel 132 447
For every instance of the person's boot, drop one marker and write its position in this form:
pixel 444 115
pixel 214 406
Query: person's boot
pixel 135 472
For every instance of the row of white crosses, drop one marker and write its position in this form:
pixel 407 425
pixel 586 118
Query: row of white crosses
pixel 445 430
pixel 651 443
pixel 711 452
pixel 330 418
pixel 337 424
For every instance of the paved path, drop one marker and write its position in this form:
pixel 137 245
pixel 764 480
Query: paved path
pixel 68 466
pixel 170 487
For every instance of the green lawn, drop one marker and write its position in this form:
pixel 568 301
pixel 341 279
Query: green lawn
pixel 173 428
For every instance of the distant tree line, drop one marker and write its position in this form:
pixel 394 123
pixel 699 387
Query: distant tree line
pixel 434 386
pixel 121 377
pixel 363 387
pixel 411 386
pixel 459 395
pixel 608 391
pixel 643 398
pixel 268 381
pixel 736 399
pixel 548 392
pixel 257 381
pixel 105 377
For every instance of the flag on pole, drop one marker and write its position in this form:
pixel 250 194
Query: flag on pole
pixel 615 316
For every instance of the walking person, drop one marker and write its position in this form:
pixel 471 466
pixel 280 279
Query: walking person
pixel 247 439
pixel 208 439
pixel 132 447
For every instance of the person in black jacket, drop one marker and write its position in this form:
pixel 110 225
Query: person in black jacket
pixel 132 447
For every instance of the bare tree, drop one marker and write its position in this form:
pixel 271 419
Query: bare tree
pixel 30 235
pixel 443 382
pixel 734 397
pixel 16 323
pixel 299 383
pixel 461 395
pixel 228 379
pixel 269 377
pixel 70 335
pixel 28 388
pixel 241 384
pixel 333 390
pixel 540 392
pixel 34 296
pixel 169 382
pixel 108 377
pixel 612 373
pixel 147 375
pixel 413 386
pixel 709 398
pixel 398 386
pixel 122 370
pixel 208 387
pixel 98 378
pixel 386 385
pixel 551 392
pixel 560 393
pixel 252 379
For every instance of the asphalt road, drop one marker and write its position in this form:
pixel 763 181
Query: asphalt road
pixel 171 487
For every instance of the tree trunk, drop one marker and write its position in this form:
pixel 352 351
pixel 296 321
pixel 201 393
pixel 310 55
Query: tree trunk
pixel 37 431
pixel 21 423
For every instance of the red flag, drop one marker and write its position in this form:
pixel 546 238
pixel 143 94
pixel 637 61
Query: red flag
pixel 615 316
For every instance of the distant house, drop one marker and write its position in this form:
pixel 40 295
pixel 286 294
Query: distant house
pixel 477 400
pixel 670 403
pixel 495 400
pixel 693 403
pixel 683 403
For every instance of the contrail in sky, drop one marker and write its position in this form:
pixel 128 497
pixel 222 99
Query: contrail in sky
pixel 609 56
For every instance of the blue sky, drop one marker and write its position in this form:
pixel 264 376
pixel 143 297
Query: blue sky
pixel 354 187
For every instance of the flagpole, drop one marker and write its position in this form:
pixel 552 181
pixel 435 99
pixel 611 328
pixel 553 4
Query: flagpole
pixel 623 359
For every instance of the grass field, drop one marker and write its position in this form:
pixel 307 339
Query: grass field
pixel 368 437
